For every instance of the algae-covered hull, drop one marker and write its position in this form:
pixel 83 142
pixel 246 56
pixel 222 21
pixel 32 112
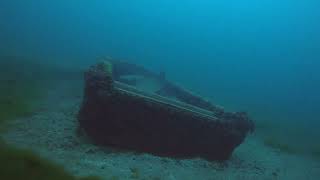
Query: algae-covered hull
pixel 163 119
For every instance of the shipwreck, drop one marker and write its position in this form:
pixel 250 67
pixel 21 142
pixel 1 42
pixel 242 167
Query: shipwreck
pixel 130 107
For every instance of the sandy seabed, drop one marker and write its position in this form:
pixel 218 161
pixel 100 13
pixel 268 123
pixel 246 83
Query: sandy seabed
pixel 52 132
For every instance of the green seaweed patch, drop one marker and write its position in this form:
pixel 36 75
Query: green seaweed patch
pixel 135 173
pixel 281 146
pixel 19 164
pixel 90 178
pixel 19 89
pixel 22 85
pixel 114 178
pixel 16 100
pixel 106 67
pixel 315 152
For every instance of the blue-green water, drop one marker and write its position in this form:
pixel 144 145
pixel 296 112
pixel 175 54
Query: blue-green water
pixel 257 56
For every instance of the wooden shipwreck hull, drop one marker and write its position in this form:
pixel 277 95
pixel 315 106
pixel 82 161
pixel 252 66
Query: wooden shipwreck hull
pixel 168 121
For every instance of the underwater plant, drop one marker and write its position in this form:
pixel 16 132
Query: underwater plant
pixel 285 139
pixel 21 164
pixel 106 67
pixel 279 145
pixel 19 92
pixel 16 99
pixel 23 82
pixel 315 152
pixel 135 173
